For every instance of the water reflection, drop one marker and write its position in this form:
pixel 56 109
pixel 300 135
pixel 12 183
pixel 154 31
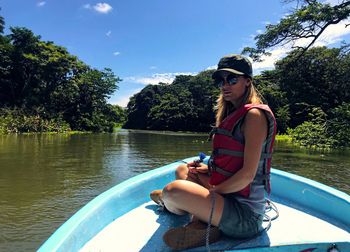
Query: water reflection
pixel 44 179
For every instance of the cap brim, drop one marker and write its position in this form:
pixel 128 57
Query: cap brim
pixel 226 70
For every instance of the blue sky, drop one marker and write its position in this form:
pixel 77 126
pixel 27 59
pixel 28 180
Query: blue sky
pixel 145 42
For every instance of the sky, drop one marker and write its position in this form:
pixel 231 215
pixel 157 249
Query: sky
pixel 147 42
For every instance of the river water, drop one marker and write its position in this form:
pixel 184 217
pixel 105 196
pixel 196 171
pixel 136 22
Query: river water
pixel 44 179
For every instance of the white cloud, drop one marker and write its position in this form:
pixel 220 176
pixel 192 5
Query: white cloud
pixel 99 7
pixel 152 67
pixel 334 33
pixel 333 2
pixel 41 3
pixel 109 33
pixel 116 53
pixel 266 23
pixel 211 67
pixel 268 62
pixel 123 101
pixel 103 8
pixel 157 78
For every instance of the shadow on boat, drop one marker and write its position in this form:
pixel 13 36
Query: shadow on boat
pixel 168 220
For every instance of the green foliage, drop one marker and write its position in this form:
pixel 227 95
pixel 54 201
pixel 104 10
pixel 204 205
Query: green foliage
pixel 322 133
pixel 309 20
pixel 282 118
pixel 320 78
pixel 312 133
pixel 119 115
pixel 18 121
pixel 338 125
pixel 140 105
pixel 266 83
pixel 49 83
pixel 185 105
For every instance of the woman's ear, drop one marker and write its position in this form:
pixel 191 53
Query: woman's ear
pixel 249 82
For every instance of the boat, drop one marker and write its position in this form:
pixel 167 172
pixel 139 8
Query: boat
pixel 312 217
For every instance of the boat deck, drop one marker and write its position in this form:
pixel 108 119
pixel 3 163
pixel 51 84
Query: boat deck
pixel 142 228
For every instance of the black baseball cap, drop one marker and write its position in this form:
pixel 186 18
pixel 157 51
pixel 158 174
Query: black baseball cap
pixel 236 64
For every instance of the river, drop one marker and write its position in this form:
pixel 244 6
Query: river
pixel 44 178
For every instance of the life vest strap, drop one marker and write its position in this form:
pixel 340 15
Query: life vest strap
pixel 220 131
pixel 264 155
pixel 214 168
pixel 228 152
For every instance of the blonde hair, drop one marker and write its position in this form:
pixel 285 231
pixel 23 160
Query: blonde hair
pixel 224 108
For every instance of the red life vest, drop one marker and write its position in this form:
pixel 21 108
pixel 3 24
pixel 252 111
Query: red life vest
pixel 228 153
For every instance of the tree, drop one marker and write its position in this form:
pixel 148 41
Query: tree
pixel 320 78
pixel 173 112
pixel 308 21
pixel 338 125
pixel 186 104
pixel 313 132
pixel 140 105
pixel 119 114
pixel 89 110
pixel 20 74
pixel 43 82
pixel 267 84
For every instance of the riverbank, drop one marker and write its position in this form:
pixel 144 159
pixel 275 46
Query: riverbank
pixel 279 137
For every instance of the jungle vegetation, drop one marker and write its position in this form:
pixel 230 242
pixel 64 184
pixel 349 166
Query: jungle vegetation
pixel 310 98
pixel 43 88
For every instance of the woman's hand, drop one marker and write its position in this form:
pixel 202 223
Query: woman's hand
pixel 195 167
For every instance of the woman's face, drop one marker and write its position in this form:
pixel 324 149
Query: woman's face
pixel 232 86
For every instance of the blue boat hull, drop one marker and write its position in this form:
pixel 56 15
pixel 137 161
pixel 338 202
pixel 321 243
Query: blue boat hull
pixel 309 196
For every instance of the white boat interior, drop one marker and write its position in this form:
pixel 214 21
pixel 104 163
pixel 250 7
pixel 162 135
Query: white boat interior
pixel 142 228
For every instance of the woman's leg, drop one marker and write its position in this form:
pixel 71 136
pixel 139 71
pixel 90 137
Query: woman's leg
pixel 182 196
pixel 182 172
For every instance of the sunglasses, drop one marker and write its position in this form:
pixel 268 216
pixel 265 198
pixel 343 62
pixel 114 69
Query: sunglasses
pixel 230 79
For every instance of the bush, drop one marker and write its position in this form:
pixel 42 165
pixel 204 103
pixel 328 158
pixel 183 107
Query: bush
pixel 312 133
pixel 339 125
pixel 17 121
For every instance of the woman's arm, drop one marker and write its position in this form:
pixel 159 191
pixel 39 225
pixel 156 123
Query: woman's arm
pixel 255 132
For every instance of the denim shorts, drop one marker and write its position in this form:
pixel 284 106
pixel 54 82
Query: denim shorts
pixel 238 220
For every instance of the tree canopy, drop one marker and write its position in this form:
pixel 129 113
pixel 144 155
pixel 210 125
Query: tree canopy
pixel 39 79
pixel 307 21
pixel 187 104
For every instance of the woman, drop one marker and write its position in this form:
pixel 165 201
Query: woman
pixel 232 189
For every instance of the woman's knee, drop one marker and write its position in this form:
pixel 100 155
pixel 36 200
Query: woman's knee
pixel 181 171
pixel 173 190
pixel 172 197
